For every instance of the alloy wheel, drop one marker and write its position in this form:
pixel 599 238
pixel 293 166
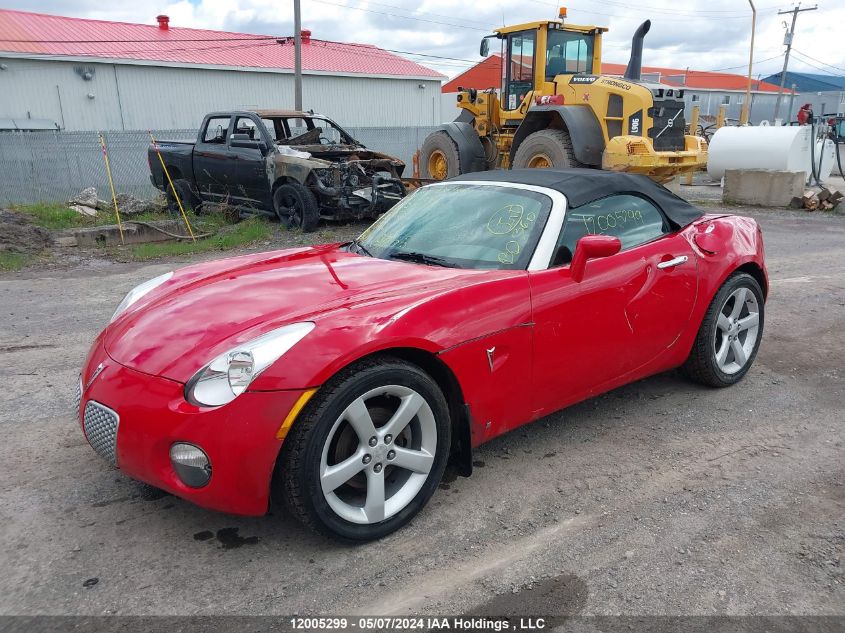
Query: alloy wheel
pixel 378 454
pixel 737 330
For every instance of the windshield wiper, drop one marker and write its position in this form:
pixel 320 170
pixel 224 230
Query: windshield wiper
pixel 360 248
pixel 422 258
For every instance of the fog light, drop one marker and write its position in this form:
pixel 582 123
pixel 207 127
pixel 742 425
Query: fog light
pixel 191 464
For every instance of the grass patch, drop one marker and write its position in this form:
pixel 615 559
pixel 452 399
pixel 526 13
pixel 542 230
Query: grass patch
pixel 53 215
pixel 14 261
pixel 228 237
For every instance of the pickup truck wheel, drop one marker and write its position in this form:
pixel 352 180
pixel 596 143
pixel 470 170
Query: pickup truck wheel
pixel 296 207
pixel 186 196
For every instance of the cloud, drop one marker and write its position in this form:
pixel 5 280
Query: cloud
pixel 684 33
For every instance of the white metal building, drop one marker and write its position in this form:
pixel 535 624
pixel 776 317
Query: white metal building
pixel 73 74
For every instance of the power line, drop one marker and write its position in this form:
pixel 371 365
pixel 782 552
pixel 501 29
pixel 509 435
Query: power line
pixel 824 70
pixel 669 19
pixel 403 17
pixel 759 61
pixel 693 12
pixel 802 53
pixel 438 15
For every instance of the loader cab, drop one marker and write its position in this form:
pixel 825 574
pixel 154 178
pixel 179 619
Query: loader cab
pixel 533 54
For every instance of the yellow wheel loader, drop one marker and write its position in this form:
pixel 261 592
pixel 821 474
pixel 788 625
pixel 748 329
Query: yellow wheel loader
pixel 556 109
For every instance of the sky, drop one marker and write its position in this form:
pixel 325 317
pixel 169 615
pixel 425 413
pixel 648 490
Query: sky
pixel 445 34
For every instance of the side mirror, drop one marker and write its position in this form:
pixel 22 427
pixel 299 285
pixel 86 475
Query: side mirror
pixel 592 247
pixel 485 47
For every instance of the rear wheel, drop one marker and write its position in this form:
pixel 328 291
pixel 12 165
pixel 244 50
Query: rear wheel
pixel 545 149
pixel 368 451
pixel 296 207
pixel 439 157
pixel 730 334
pixel 183 189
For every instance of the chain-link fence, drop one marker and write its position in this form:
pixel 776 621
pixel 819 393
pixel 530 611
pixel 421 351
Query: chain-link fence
pixel 54 166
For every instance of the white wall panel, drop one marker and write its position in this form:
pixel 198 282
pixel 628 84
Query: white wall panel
pixel 137 97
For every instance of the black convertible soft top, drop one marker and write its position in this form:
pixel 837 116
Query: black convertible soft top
pixel 582 186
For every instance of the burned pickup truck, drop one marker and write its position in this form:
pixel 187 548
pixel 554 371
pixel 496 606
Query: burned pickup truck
pixel 299 166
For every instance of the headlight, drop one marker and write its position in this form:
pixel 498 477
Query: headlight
pixel 227 376
pixel 139 291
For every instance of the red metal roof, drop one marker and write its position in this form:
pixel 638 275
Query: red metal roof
pixel 488 74
pixel 702 79
pixel 485 74
pixel 53 35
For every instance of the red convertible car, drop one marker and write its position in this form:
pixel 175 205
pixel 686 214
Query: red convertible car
pixel 340 379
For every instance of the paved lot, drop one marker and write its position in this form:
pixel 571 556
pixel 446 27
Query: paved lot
pixel 658 498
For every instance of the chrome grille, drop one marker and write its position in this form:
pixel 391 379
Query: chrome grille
pixel 100 424
pixel 78 398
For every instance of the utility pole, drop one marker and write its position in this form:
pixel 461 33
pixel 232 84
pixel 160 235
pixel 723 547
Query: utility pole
pixel 297 56
pixel 788 41
pixel 743 117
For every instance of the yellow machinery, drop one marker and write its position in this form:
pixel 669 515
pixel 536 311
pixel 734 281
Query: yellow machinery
pixel 556 109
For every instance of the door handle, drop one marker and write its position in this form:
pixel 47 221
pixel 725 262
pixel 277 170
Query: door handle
pixel 673 262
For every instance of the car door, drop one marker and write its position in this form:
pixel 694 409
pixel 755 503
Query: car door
pixel 627 310
pixel 248 184
pixel 211 159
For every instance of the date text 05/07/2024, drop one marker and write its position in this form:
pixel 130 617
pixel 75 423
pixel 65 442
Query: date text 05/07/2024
pixel 410 623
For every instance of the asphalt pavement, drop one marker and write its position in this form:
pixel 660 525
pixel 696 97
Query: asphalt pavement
pixel 659 498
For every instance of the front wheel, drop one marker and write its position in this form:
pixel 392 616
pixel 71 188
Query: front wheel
pixel 729 336
pixel 368 451
pixel 439 157
pixel 296 206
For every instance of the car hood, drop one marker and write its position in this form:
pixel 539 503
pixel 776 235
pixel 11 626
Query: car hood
pixel 204 310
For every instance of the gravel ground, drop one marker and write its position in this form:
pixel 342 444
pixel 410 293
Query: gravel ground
pixel 661 497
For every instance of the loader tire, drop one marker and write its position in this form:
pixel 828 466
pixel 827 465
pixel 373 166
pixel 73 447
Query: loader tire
pixel 439 157
pixel 545 149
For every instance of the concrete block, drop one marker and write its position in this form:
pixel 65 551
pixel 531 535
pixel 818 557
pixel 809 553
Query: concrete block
pixel 109 235
pixel 762 188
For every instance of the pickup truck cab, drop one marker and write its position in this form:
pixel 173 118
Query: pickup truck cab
pixel 299 166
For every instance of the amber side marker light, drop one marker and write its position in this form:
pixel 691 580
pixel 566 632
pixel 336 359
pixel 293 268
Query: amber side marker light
pixel 291 417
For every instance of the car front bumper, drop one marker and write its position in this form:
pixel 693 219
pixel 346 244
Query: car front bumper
pixel 135 418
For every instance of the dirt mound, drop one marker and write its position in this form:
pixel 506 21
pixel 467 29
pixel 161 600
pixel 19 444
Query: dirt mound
pixel 19 235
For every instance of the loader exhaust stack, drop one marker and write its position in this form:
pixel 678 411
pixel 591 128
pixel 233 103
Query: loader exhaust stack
pixel 635 64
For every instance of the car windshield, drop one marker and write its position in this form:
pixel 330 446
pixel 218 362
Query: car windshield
pixel 461 225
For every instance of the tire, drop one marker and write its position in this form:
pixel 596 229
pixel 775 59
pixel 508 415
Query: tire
pixel 551 147
pixel 189 201
pixel 705 364
pixel 323 437
pixel 439 157
pixel 296 206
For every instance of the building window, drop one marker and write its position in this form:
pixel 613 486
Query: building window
pixel 740 99
pixel 726 100
pixel 696 98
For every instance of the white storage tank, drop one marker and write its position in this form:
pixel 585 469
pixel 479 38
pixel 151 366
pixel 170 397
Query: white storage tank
pixel 784 148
